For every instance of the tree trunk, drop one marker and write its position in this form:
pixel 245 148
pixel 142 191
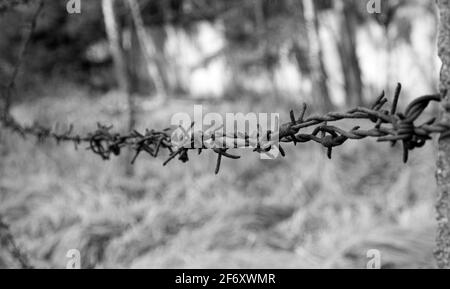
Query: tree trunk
pixel 120 66
pixel 159 37
pixel 318 71
pixel 114 39
pixel 442 252
pixel 149 51
pixel 261 31
pixel 349 59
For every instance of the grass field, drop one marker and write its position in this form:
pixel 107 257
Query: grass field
pixel 298 212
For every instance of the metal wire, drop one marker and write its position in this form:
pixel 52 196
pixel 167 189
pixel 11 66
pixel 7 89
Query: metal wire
pixel 389 126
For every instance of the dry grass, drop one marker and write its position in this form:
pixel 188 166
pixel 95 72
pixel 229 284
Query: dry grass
pixel 300 212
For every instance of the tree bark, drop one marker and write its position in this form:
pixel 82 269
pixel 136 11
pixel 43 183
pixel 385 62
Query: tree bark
pixel 442 252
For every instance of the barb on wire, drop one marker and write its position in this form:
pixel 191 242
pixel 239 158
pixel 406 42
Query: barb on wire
pixel 389 126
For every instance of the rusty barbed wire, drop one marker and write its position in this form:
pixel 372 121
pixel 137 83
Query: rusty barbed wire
pixel 389 126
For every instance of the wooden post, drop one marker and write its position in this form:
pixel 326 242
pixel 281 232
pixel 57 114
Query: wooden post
pixel 442 252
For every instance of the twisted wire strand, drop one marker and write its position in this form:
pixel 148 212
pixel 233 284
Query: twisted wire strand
pixel 389 126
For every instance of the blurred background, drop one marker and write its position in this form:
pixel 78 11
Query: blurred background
pixel 134 63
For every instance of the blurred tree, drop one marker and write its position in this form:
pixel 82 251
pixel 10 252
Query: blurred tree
pixel 153 53
pixel 318 71
pixel 270 57
pixel 347 46
pixel 386 20
pixel 123 78
pixel 59 43
pixel 115 44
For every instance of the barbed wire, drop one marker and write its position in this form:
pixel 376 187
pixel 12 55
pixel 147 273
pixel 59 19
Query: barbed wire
pixel 389 126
